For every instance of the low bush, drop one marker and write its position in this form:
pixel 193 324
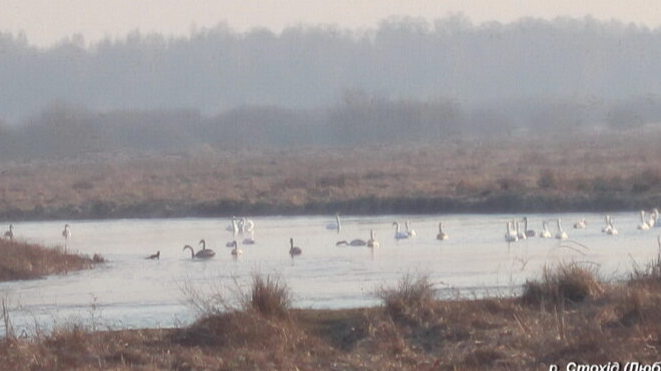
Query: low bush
pixel 411 300
pixel 22 261
pixel 268 296
pixel 570 283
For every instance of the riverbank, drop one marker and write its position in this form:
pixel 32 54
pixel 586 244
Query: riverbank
pixel 565 316
pixel 23 261
pixel 503 202
pixel 589 173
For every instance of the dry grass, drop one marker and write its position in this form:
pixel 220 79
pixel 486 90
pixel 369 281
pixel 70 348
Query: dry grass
pixel 268 296
pixel 22 261
pixel 566 282
pixel 411 300
pixel 650 274
pixel 622 324
pixel 367 179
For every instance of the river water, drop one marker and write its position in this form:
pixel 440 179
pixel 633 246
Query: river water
pixel 132 292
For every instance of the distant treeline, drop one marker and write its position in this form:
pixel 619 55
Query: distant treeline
pixel 63 130
pixel 308 67
pixel 406 80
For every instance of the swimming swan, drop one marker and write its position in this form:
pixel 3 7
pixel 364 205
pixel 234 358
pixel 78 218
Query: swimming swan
pixel 643 226
pixel 66 233
pixel 10 233
pixel 441 235
pixel 528 232
pixel 293 250
pixel 510 234
pixel 236 251
pixel 356 242
pixel 608 226
pixel 249 240
pixel 336 226
pixel 519 234
pixel 202 254
pixel 560 235
pixel 400 235
pixel 246 225
pixel 233 226
pixel 372 242
pixel 545 233
pixel 409 230
pixel 611 229
pixel 581 224
pixel 654 218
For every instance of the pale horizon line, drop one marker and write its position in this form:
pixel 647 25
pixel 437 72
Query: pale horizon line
pixel 90 41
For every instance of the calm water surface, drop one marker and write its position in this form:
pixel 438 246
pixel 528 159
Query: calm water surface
pixel 131 292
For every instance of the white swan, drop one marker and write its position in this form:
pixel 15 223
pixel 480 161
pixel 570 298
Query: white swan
pixel 336 226
pixel 410 231
pixel 441 235
pixel 66 233
pixel 611 229
pixel 654 218
pixel 581 224
pixel 372 242
pixel 510 235
pixel 293 250
pixel 545 233
pixel 10 233
pixel 245 225
pixel 248 225
pixel 519 234
pixel 400 235
pixel 560 235
pixel 608 226
pixel 643 226
pixel 233 226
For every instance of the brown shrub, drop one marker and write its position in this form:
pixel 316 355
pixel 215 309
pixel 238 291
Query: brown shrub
pixel 411 300
pixel 28 261
pixel 269 296
pixel 571 283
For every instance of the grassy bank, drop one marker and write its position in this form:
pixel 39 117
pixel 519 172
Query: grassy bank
pixel 565 316
pixel 494 202
pixel 22 261
pixel 588 173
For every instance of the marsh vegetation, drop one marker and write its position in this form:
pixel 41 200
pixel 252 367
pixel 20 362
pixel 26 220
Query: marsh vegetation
pixel 21 261
pixel 409 331
pixel 585 173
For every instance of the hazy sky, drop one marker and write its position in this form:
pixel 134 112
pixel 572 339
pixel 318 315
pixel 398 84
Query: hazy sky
pixel 47 21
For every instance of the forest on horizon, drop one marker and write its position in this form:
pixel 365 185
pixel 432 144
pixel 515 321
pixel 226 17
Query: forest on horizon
pixel 406 80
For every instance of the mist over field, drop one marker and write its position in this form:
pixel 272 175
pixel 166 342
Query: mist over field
pixel 407 80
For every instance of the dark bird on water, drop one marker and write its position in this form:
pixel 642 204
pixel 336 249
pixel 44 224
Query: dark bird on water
pixel 293 250
pixel 156 256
